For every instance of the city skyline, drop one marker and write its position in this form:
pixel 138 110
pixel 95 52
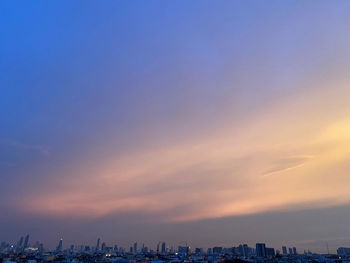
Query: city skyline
pixel 161 247
pixel 214 122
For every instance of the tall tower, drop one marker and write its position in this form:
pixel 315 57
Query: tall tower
pixel 26 241
pixel 163 248
pixel 59 247
pixel 284 250
pixel 260 250
pixel 98 244
pixel 20 243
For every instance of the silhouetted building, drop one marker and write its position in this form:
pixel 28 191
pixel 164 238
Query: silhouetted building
pixel 343 251
pixel 270 252
pixel 183 250
pixel 243 250
pixel 198 251
pixel 98 244
pixel 59 246
pixel 260 250
pixel 217 250
pixel 26 242
pixel 20 242
pixel 284 250
pixel 163 248
pixel 295 251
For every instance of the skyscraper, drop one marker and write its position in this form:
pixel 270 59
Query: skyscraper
pixel 103 247
pixel 135 247
pixel 270 252
pixel 244 250
pixel 98 244
pixel 260 250
pixel 294 251
pixel 26 241
pixel 59 246
pixel 284 250
pixel 163 248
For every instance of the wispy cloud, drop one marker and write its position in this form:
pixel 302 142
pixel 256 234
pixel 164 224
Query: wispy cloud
pixel 286 164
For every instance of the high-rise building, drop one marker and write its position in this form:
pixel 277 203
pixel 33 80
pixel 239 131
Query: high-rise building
pixel 135 247
pixel 284 250
pixel 20 242
pixel 295 251
pixel 184 250
pixel 163 248
pixel 261 250
pixel 343 251
pixel 217 250
pixel 244 250
pixel 270 252
pixel 26 242
pixel 241 250
pixel 199 251
pixel 103 247
pixel 98 244
pixel 41 247
pixel 59 246
pixel 290 251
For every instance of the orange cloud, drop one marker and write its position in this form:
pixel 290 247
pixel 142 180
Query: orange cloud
pixel 227 173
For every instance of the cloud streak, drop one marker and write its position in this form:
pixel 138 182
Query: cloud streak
pixel 215 176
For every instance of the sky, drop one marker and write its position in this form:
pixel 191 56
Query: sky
pixel 211 122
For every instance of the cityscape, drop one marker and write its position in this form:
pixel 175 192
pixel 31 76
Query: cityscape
pixel 24 251
pixel 174 131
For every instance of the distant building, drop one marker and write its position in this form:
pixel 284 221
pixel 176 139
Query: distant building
pixel 244 250
pixel 20 243
pixel 183 250
pixel 343 251
pixel 295 251
pixel 290 251
pixel 217 250
pixel 270 252
pixel 163 248
pixel 98 244
pixel 284 250
pixel 261 250
pixel 26 242
pixel 198 251
pixel 59 246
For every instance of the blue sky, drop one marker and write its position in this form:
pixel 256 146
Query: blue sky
pixel 208 101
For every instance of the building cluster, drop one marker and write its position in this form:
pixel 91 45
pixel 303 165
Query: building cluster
pixel 23 252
